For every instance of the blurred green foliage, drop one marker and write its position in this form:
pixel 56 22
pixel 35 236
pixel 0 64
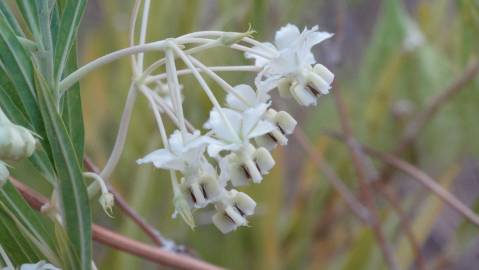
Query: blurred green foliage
pixel 389 56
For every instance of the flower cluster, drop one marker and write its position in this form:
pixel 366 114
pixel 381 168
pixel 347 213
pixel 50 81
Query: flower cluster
pixel 16 143
pixel 235 149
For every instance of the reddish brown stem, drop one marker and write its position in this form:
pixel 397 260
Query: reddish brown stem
pixel 364 181
pixel 154 235
pixel 120 242
pixel 354 205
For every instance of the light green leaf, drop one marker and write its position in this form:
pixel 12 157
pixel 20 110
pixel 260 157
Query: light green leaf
pixel 75 205
pixel 70 19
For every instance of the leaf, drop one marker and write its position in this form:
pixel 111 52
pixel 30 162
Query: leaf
pixel 29 10
pixel 16 65
pixel 75 205
pixel 72 110
pixel 24 224
pixel 10 18
pixel 67 31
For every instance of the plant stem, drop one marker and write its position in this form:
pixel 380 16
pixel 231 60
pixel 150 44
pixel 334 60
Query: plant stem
pixel 207 90
pixel 144 26
pixel 363 180
pixel 181 72
pixel 351 201
pixel 122 133
pixel 106 59
pixel 120 242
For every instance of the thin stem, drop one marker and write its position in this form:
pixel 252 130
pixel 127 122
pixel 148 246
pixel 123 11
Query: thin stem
pixel 106 59
pixel 226 86
pixel 122 133
pixel 158 118
pixel 181 72
pixel 144 26
pixel 207 90
pixel 6 259
pixel 174 88
pixel 120 242
pixel 149 230
pixel 131 30
pixel 351 201
pixel 427 182
pixel 363 180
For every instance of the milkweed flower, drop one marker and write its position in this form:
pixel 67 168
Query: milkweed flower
pixel 292 66
pixel 232 210
pixel 240 135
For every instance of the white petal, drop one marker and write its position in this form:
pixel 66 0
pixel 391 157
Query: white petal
pixel 218 126
pixel 286 35
pixel 266 48
pixel 246 92
pixel 163 159
pixel 251 119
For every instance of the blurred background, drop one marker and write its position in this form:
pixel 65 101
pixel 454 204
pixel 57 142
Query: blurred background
pixel 390 58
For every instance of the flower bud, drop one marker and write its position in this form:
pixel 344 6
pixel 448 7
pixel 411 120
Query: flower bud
pixel 182 208
pixel 107 201
pixel 16 142
pixel 233 210
pixel 4 173
pixel 231 38
pixel 201 191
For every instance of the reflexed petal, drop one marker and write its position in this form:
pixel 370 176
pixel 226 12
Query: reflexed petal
pixel 263 160
pixel 325 73
pixel 303 96
pixel 286 35
pixel 224 224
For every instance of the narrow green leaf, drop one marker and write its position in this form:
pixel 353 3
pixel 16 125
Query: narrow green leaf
pixel 72 110
pixel 68 28
pixel 75 205
pixel 10 18
pixel 29 10
pixel 17 66
pixel 13 204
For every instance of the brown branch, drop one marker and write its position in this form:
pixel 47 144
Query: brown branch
pixel 151 232
pixel 120 242
pixel 364 180
pixel 354 205
pixel 405 223
pixel 427 182
pixel 433 105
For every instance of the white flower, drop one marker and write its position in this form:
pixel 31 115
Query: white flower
pixel 181 155
pixel 246 125
pixel 307 86
pixel 248 164
pixel 247 98
pixel 232 211
pixel 291 51
pixel 284 125
pixel 16 142
pixel 201 186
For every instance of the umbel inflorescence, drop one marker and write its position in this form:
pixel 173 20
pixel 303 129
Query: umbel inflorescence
pixel 233 148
